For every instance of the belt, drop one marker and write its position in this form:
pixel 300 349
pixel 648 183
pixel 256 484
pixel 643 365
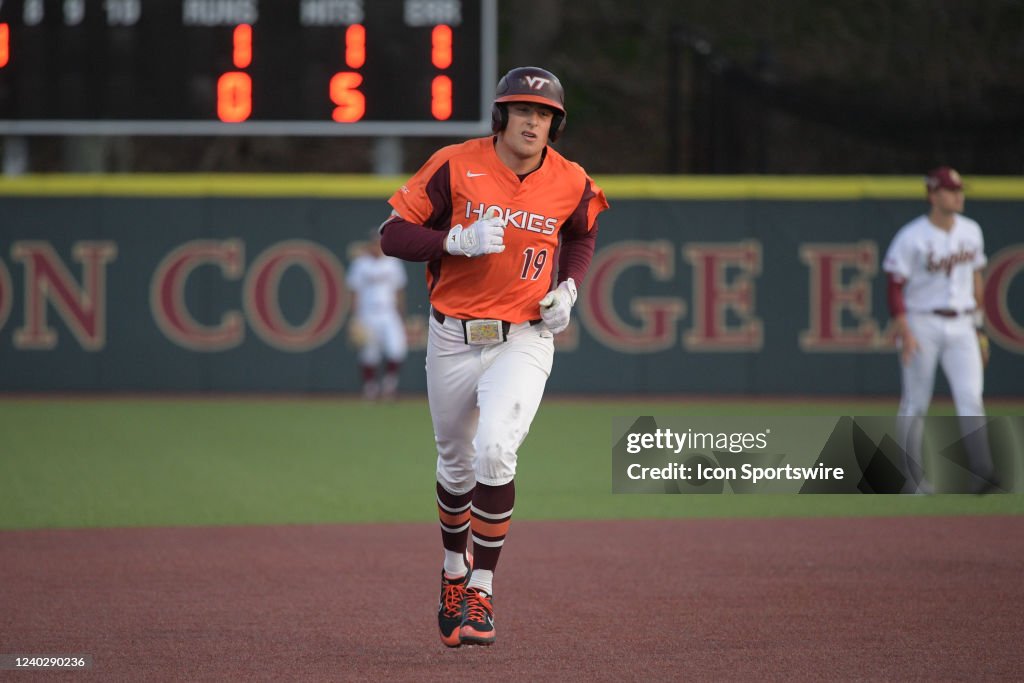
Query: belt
pixel 950 312
pixel 505 325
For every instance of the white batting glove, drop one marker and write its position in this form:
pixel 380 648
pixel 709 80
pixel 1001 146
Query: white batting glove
pixel 486 236
pixel 556 305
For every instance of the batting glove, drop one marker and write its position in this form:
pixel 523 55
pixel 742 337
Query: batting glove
pixel 556 305
pixel 486 236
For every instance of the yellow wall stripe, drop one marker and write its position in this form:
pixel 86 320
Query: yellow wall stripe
pixel 617 187
pixel 207 185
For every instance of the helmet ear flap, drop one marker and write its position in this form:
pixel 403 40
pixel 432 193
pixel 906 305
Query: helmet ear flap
pixel 499 117
pixel 557 126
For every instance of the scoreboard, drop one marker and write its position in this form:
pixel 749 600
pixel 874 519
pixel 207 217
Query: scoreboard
pixel 247 67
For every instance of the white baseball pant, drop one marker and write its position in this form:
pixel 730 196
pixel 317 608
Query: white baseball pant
pixel 386 339
pixel 951 343
pixel 483 400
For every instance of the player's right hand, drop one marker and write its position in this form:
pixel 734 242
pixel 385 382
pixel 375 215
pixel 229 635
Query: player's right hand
pixel 908 347
pixel 486 236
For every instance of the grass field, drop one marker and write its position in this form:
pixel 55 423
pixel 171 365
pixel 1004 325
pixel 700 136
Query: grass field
pixel 139 461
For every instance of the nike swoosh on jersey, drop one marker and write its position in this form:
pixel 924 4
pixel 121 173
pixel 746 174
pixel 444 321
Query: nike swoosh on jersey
pixel 470 174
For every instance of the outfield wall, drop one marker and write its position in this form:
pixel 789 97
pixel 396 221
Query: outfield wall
pixel 748 285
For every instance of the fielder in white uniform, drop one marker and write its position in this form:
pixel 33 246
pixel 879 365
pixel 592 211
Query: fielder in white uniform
pixel 934 268
pixel 378 284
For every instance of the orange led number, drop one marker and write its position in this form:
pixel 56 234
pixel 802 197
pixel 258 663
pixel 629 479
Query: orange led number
pixel 243 45
pixel 441 98
pixel 351 104
pixel 5 45
pixel 441 46
pixel 441 86
pixel 355 46
pixel 234 88
pixel 234 97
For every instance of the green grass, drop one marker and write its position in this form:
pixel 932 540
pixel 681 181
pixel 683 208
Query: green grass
pixel 162 461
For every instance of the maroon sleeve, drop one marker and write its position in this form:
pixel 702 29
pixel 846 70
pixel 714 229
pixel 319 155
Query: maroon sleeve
pixel 577 251
pixel 411 242
pixel 578 242
pixel 896 305
pixel 414 242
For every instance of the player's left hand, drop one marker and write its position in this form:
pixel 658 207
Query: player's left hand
pixel 357 334
pixel 984 347
pixel 556 306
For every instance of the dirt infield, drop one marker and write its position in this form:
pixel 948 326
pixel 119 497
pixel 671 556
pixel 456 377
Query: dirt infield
pixel 868 599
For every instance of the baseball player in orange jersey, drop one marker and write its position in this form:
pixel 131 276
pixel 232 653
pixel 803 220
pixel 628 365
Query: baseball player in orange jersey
pixel 934 268
pixel 507 227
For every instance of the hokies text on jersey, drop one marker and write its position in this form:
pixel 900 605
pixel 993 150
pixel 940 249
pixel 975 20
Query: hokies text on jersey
pixel 524 220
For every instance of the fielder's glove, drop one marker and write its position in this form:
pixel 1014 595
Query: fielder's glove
pixel 486 236
pixel 556 305
pixel 983 346
pixel 357 334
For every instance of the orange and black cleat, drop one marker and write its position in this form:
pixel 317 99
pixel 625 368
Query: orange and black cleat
pixel 451 605
pixel 450 608
pixel 478 619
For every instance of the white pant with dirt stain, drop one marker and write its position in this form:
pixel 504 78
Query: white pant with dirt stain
pixel 483 400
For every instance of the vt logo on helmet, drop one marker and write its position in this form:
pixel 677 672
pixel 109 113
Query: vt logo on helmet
pixel 529 84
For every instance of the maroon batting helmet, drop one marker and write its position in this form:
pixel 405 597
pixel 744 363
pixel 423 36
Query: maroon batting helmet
pixel 529 84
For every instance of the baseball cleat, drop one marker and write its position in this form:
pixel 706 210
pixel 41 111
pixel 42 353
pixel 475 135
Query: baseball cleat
pixel 450 608
pixel 451 605
pixel 478 618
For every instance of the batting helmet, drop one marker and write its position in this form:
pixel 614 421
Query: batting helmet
pixel 529 84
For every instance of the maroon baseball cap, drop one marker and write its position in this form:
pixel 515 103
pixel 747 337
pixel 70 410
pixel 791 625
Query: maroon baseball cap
pixel 943 177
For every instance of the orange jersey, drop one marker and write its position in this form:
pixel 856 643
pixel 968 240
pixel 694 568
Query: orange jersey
pixel 457 186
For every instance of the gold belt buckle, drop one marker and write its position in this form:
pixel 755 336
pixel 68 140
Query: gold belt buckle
pixel 483 332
